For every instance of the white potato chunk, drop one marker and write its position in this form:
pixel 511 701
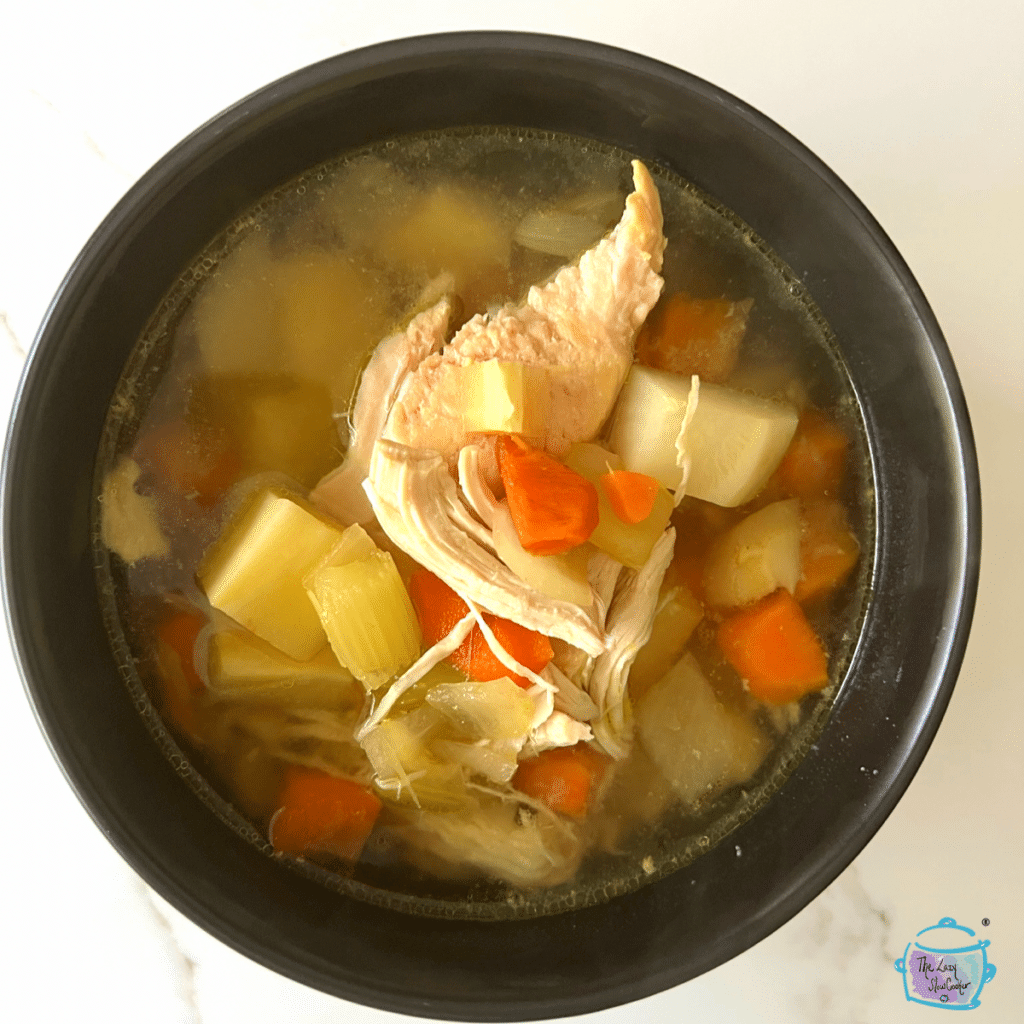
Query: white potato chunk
pixel 701 746
pixel 758 555
pixel 732 444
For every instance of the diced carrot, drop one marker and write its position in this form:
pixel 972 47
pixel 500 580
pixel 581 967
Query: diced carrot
pixel 180 633
pixel 563 778
pixel 687 336
pixel 439 608
pixel 553 508
pixel 201 466
pixel 773 647
pixel 815 461
pixel 631 495
pixel 179 682
pixel 828 550
pixel 323 814
pixel 531 649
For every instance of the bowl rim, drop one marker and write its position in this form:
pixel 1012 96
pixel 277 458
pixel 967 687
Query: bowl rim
pixel 961 593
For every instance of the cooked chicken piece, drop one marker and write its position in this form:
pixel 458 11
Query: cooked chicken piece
pixel 471 480
pixel 559 730
pixel 417 504
pixel 630 618
pixel 583 322
pixel 340 493
pixel 569 697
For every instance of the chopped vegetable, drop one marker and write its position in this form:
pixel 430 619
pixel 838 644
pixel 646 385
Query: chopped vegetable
pixel 774 649
pixel 503 398
pixel 200 464
pixel 557 232
pixel 628 543
pixel 553 508
pixel 244 667
pixel 323 814
pixel 701 336
pixel 632 495
pixel 254 571
pixel 128 520
pixel 272 423
pixel 493 710
pixel 828 550
pixel 312 316
pixel 455 230
pixel 701 746
pixel 180 683
pixel 815 461
pixel 564 778
pixel 733 443
pixel 678 615
pixel 758 555
pixel 407 769
pixel 563 577
pixel 367 615
pixel 439 608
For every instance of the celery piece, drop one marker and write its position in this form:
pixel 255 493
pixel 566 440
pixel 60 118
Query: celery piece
pixel 368 617
pixel 405 769
pixel 254 571
pixel 242 666
pixel 677 616
pixel 354 545
pixel 495 710
pixel 628 543
pixel 499 397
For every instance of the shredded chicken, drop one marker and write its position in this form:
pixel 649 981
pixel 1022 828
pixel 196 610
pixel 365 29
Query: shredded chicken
pixel 340 493
pixel 417 504
pixel 583 323
pixel 630 618
pixel 559 730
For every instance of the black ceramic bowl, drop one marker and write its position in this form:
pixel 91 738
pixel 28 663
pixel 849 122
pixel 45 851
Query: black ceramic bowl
pixel 922 586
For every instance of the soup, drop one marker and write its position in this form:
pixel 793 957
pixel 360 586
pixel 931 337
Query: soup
pixel 484 516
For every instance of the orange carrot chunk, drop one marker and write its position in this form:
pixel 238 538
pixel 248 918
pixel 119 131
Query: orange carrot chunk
pixel 531 649
pixel 701 336
pixel 774 649
pixel 828 550
pixel 203 467
pixel 439 608
pixel 631 495
pixel 322 814
pixel 815 461
pixel 179 682
pixel 563 778
pixel 553 508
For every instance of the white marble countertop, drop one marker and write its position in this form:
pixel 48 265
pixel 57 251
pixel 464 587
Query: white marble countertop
pixel 919 107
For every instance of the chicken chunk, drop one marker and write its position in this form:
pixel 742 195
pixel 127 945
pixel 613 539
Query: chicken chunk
pixel 340 493
pixel 582 324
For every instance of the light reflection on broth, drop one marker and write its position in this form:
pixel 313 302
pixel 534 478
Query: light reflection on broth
pixel 239 399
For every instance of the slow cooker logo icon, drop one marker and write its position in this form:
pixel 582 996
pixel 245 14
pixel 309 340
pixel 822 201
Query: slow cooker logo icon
pixel 945 966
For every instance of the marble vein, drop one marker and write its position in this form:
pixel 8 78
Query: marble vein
pixel 185 966
pixel 12 337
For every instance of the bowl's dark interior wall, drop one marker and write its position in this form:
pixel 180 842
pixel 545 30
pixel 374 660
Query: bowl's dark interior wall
pixel 901 676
